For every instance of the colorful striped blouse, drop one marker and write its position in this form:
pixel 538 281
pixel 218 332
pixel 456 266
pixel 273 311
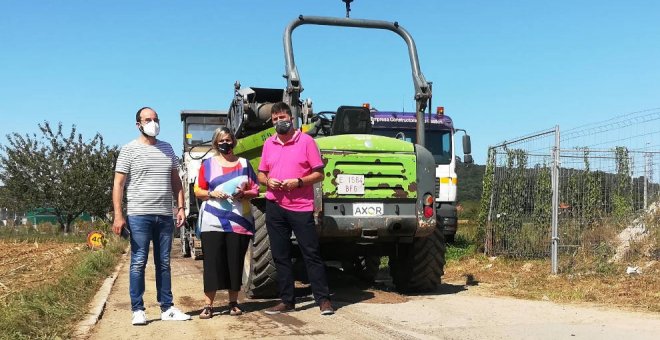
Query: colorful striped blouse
pixel 226 215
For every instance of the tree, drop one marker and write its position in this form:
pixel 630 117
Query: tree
pixel 63 173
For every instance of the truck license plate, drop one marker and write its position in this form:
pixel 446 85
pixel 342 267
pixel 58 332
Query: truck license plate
pixel 350 184
pixel 368 209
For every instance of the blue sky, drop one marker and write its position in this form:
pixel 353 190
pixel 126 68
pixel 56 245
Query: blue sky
pixel 501 69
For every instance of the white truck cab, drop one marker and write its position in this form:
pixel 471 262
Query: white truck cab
pixel 439 131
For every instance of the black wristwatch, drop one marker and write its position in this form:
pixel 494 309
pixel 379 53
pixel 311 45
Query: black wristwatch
pixel 300 182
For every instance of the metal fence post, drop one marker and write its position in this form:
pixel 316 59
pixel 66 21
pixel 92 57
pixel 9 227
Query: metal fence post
pixel 488 246
pixel 555 200
pixel 646 178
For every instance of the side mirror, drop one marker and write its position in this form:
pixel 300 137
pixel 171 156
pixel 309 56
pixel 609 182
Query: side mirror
pixel 467 159
pixel 467 145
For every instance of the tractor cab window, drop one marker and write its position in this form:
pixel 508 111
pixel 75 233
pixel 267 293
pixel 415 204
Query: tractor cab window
pixel 438 142
pixel 199 130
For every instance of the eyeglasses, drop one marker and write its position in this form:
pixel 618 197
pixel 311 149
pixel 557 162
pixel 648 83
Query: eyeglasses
pixel 149 120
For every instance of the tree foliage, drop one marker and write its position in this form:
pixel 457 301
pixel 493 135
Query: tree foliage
pixel 511 205
pixel 61 172
pixel 622 197
pixel 470 181
pixel 593 198
pixel 542 197
pixel 487 192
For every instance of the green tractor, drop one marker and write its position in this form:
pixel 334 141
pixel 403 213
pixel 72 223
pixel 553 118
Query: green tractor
pixel 377 198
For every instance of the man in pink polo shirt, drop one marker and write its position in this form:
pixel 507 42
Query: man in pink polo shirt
pixel 290 164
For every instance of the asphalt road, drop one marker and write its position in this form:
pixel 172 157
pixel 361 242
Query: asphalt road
pixel 453 312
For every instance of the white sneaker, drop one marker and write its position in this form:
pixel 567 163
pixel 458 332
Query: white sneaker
pixel 174 314
pixel 139 318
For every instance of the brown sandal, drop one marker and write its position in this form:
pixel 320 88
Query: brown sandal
pixel 234 309
pixel 206 313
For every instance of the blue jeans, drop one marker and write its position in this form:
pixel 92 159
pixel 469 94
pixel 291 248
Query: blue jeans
pixel 144 229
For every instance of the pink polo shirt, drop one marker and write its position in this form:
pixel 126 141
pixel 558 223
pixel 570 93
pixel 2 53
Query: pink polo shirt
pixel 296 158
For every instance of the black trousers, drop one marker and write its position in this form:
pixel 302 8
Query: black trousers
pixel 223 260
pixel 280 223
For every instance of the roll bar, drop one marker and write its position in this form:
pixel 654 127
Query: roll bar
pixel 294 87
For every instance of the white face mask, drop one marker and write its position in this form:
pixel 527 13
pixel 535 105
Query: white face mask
pixel 151 129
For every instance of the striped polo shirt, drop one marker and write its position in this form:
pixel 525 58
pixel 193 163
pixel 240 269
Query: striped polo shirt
pixel 148 170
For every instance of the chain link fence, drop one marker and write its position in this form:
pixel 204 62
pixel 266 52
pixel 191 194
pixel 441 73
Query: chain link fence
pixel 589 194
pixel 518 189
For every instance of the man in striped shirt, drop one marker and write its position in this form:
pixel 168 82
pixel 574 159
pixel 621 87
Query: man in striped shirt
pixel 147 168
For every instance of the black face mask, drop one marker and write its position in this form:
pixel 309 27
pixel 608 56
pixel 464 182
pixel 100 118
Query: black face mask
pixel 225 148
pixel 283 127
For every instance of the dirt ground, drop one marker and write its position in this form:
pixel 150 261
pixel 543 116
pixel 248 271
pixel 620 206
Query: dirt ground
pixel 24 265
pixel 454 311
pixel 462 308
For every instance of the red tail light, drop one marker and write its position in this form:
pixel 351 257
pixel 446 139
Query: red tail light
pixel 428 211
pixel 428 205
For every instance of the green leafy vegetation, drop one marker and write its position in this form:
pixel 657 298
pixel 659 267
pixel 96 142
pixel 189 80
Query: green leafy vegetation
pixel 470 181
pixel 461 248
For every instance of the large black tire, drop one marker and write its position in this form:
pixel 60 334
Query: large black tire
pixel 196 248
pixel 183 238
pixel 259 274
pixel 363 267
pixel 419 266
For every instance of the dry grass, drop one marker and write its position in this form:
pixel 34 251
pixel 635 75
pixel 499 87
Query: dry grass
pixel 586 276
pixel 28 264
pixel 532 280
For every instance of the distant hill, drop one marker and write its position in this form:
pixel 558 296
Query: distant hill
pixel 470 181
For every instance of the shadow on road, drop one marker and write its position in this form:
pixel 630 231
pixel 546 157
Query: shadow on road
pixel 347 289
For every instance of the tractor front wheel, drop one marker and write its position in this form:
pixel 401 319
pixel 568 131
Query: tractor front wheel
pixel 259 274
pixel 419 266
